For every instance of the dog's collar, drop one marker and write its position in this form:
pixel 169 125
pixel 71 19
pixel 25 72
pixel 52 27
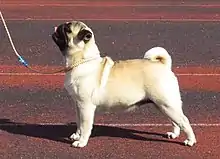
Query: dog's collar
pixel 82 61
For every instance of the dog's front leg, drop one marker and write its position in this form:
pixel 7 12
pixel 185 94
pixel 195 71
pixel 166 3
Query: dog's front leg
pixel 86 114
pixel 76 135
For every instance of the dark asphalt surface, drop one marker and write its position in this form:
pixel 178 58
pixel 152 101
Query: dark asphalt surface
pixel 23 106
pixel 54 106
pixel 189 43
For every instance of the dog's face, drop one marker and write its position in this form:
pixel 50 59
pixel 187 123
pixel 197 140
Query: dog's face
pixel 72 36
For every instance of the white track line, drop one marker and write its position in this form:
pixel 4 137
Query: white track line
pixel 211 19
pixel 122 125
pixel 62 74
pixel 113 5
pixel 158 125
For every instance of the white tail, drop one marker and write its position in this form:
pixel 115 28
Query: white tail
pixel 159 54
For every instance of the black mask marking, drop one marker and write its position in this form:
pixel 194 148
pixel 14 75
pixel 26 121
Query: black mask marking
pixel 60 36
pixel 84 35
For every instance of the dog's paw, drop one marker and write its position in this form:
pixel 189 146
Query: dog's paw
pixel 171 135
pixel 75 136
pixel 189 142
pixel 79 144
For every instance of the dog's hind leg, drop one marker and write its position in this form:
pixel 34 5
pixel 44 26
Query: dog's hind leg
pixel 175 113
pixel 175 133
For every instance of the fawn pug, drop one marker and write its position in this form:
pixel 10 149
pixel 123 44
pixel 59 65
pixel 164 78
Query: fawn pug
pixel 99 83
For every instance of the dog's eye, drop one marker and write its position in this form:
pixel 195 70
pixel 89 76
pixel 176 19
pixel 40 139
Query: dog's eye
pixel 87 37
pixel 69 24
pixel 67 28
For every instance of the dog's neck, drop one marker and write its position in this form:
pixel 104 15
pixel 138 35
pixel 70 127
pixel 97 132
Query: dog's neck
pixel 86 54
pixel 72 59
pixel 79 58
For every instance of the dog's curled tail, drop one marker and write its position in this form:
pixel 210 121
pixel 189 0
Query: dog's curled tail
pixel 159 54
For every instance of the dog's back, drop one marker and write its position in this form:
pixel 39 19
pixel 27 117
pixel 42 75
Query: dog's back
pixel 130 81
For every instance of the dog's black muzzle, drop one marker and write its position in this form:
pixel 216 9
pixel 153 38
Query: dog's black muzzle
pixel 60 36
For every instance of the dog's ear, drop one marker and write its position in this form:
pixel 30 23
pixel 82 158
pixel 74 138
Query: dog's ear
pixel 84 35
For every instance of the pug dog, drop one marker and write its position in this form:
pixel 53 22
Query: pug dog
pixel 99 83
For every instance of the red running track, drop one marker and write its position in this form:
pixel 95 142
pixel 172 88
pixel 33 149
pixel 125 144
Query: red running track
pixel 190 78
pixel 98 10
pixel 28 100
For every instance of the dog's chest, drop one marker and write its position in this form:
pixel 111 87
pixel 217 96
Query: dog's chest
pixel 80 87
pixel 72 86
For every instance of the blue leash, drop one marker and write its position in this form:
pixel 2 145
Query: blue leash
pixel 21 59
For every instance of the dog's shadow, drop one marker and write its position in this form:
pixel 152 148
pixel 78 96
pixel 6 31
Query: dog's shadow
pixel 61 133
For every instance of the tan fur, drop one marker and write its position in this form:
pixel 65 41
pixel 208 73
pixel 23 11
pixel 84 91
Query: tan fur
pixel 102 84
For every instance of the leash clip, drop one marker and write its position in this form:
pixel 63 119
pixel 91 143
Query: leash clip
pixel 21 60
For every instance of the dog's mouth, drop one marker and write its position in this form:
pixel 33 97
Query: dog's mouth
pixel 60 36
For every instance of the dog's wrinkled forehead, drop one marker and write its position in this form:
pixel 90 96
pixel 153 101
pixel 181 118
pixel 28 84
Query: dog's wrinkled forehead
pixel 77 26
